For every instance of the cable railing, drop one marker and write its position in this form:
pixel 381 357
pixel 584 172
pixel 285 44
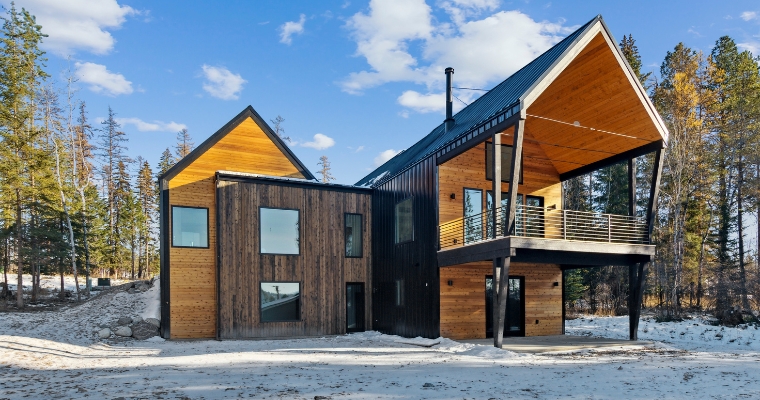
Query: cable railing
pixel 548 223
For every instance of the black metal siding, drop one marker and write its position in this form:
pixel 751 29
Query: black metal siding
pixel 413 262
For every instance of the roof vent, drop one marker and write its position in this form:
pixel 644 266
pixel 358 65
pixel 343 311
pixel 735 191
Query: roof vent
pixel 449 121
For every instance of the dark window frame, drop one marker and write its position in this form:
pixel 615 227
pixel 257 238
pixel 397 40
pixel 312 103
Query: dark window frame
pixel 481 212
pixel 300 228
pixel 395 221
pixel 300 307
pixel 208 232
pixel 361 234
pixel 522 164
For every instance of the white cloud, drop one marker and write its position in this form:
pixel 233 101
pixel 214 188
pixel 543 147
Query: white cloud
pixel 320 142
pixel 101 80
pixel 749 15
pixel 155 126
pixel 221 83
pixel 423 103
pixel 402 42
pixel 358 149
pixel 290 28
pixel 78 24
pixel 384 156
pixel 752 47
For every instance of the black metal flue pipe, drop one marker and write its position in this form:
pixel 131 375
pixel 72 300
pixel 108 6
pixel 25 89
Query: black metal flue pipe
pixel 449 121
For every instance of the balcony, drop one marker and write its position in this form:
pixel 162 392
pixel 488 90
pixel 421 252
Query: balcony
pixel 546 235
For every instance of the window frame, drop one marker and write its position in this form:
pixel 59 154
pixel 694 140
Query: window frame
pixel 522 163
pixel 361 234
pixel 261 226
pixel 300 307
pixel 395 221
pixel 208 232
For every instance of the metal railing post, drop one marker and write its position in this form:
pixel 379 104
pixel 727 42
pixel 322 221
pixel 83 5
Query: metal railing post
pixel 564 224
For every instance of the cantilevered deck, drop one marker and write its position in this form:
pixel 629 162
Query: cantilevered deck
pixel 546 235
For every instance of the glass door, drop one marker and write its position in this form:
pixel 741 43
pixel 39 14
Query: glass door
pixel 473 220
pixel 514 323
pixel 354 307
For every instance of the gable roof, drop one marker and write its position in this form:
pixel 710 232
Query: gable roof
pixel 248 112
pixel 506 99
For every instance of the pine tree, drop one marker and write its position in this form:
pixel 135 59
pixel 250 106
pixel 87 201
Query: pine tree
pixel 278 129
pixel 184 144
pixel 146 197
pixel 324 163
pixel 20 76
pixel 111 152
pixel 166 161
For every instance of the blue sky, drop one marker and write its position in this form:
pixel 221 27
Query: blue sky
pixel 355 80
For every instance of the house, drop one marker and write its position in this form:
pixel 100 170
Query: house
pixel 446 249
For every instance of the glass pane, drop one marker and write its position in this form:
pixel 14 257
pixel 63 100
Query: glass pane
pixel 189 227
pixel 280 301
pixel 353 235
pixel 279 231
pixel 514 314
pixel 534 218
pixel 404 224
pixel 506 162
pixel 473 223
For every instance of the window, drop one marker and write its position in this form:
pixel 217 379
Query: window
pixel 354 235
pixel 189 227
pixel 506 162
pixel 404 221
pixel 399 295
pixel 280 231
pixel 473 220
pixel 280 301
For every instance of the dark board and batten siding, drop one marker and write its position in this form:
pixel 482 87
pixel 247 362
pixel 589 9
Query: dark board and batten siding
pixel 321 268
pixel 413 262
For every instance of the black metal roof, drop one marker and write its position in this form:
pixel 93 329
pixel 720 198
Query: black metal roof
pixel 504 96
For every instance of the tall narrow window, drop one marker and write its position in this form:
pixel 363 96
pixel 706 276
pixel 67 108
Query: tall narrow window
pixel 280 231
pixel 354 235
pixel 404 221
pixel 473 215
pixel 399 295
pixel 280 301
pixel 506 162
pixel 189 227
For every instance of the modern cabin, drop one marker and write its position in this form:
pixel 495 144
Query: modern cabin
pixel 253 246
pixel 462 235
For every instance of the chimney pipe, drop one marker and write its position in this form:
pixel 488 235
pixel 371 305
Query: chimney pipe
pixel 449 121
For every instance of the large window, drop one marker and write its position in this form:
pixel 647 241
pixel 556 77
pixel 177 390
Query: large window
pixel 280 231
pixel 189 227
pixel 404 221
pixel 506 162
pixel 353 235
pixel 280 301
pixel 473 218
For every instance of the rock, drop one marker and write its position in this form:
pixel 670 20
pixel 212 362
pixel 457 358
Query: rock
pixel 428 384
pixel 143 330
pixel 144 288
pixel 153 322
pixel 131 291
pixel 104 333
pixel 322 398
pixel 124 321
pixel 137 319
pixel 123 331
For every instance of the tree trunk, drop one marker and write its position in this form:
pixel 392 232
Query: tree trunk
pixel 740 222
pixel 19 261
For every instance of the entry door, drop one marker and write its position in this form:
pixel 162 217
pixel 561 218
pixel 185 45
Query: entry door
pixel 354 307
pixel 514 323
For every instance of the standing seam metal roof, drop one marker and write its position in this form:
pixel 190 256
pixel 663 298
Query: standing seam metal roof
pixel 504 95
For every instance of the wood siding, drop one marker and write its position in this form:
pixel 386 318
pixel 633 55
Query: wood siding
pixel 463 305
pixel 414 264
pixel 193 271
pixel 468 170
pixel 321 268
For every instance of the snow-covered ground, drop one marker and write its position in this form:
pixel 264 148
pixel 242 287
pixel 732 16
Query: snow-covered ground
pixel 58 355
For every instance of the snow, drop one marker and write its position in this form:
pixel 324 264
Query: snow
pixel 58 355
pixel 696 334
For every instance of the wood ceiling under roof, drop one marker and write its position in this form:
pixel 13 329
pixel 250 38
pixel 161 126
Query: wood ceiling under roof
pixel 594 90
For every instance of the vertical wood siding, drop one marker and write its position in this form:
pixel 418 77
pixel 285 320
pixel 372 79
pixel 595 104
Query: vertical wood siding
pixel 463 305
pixel 321 268
pixel 414 263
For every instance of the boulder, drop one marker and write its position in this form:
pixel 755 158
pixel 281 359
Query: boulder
pixel 153 322
pixel 124 321
pixel 104 333
pixel 137 319
pixel 143 330
pixel 123 331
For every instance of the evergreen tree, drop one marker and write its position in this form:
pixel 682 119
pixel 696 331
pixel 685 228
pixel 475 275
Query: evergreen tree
pixel 166 161
pixel 184 144
pixel 111 148
pixel 278 129
pixel 324 163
